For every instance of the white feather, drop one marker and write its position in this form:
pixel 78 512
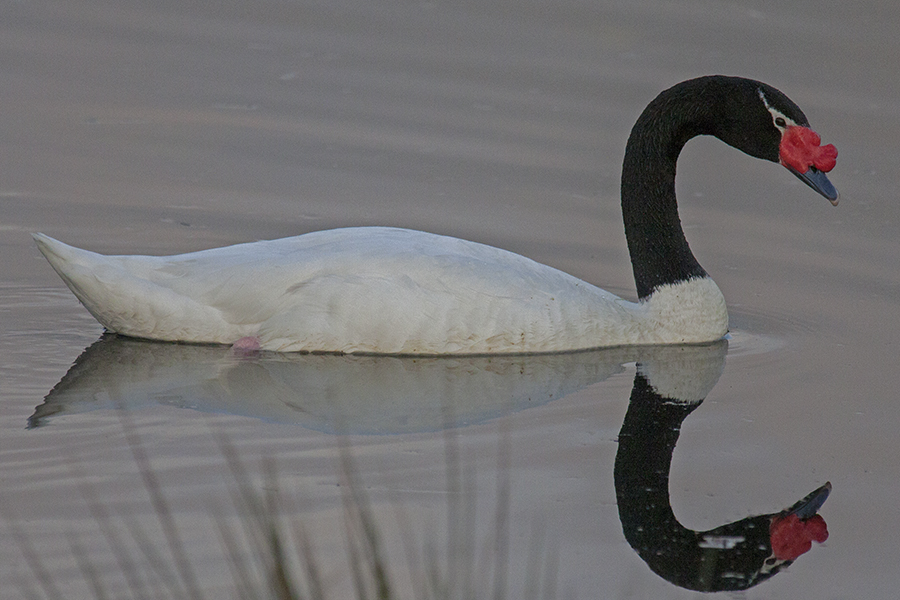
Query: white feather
pixel 378 290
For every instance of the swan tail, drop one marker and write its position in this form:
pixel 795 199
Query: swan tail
pixel 74 265
pixel 117 292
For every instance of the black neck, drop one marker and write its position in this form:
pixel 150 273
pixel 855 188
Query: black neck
pixel 646 443
pixel 680 555
pixel 659 251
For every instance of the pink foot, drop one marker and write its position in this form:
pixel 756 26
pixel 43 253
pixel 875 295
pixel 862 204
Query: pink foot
pixel 246 345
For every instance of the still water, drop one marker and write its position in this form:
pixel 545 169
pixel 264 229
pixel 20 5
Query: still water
pixel 165 129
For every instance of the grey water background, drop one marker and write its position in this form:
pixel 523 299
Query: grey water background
pixel 169 127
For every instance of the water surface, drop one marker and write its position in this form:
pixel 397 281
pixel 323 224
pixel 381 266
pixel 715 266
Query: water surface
pixel 163 129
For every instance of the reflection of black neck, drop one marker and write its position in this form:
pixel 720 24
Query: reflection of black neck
pixel 731 557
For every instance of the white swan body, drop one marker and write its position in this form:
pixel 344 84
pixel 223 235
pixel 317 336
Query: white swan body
pixel 378 290
pixel 395 291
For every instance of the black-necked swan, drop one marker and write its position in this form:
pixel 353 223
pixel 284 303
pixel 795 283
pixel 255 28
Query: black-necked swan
pixel 397 291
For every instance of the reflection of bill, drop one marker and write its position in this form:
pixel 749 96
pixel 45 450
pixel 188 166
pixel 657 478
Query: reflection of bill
pixel 735 556
pixel 793 531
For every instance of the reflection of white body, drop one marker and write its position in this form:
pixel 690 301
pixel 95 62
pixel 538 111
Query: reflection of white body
pixel 378 290
pixel 359 394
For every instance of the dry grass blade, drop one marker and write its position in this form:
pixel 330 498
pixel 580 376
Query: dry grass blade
pixel 262 526
pixel 241 572
pixel 127 565
pixel 270 555
pixel 310 563
pixel 459 578
pixel 413 564
pixel 87 569
pixel 501 523
pixel 161 508
pixel 362 530
pixel 32 559
pixel 280 581
pixel 155 560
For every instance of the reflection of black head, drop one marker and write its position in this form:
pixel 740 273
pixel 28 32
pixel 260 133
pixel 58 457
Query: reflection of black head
pixel 735 556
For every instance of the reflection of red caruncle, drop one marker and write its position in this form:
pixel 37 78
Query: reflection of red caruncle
pixel 792 536
pixel 800 150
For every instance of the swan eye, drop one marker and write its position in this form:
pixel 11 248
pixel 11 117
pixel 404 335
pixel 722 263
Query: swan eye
pixel 781 122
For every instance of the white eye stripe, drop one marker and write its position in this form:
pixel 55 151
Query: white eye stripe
pixel 779 119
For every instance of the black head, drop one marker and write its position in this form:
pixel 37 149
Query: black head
pixel 755 116
pixel 749 115
pixel 759 120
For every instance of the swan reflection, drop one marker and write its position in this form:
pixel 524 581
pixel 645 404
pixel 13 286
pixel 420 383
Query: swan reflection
pixel 735 556
pixel 353 394
pixel 390 395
